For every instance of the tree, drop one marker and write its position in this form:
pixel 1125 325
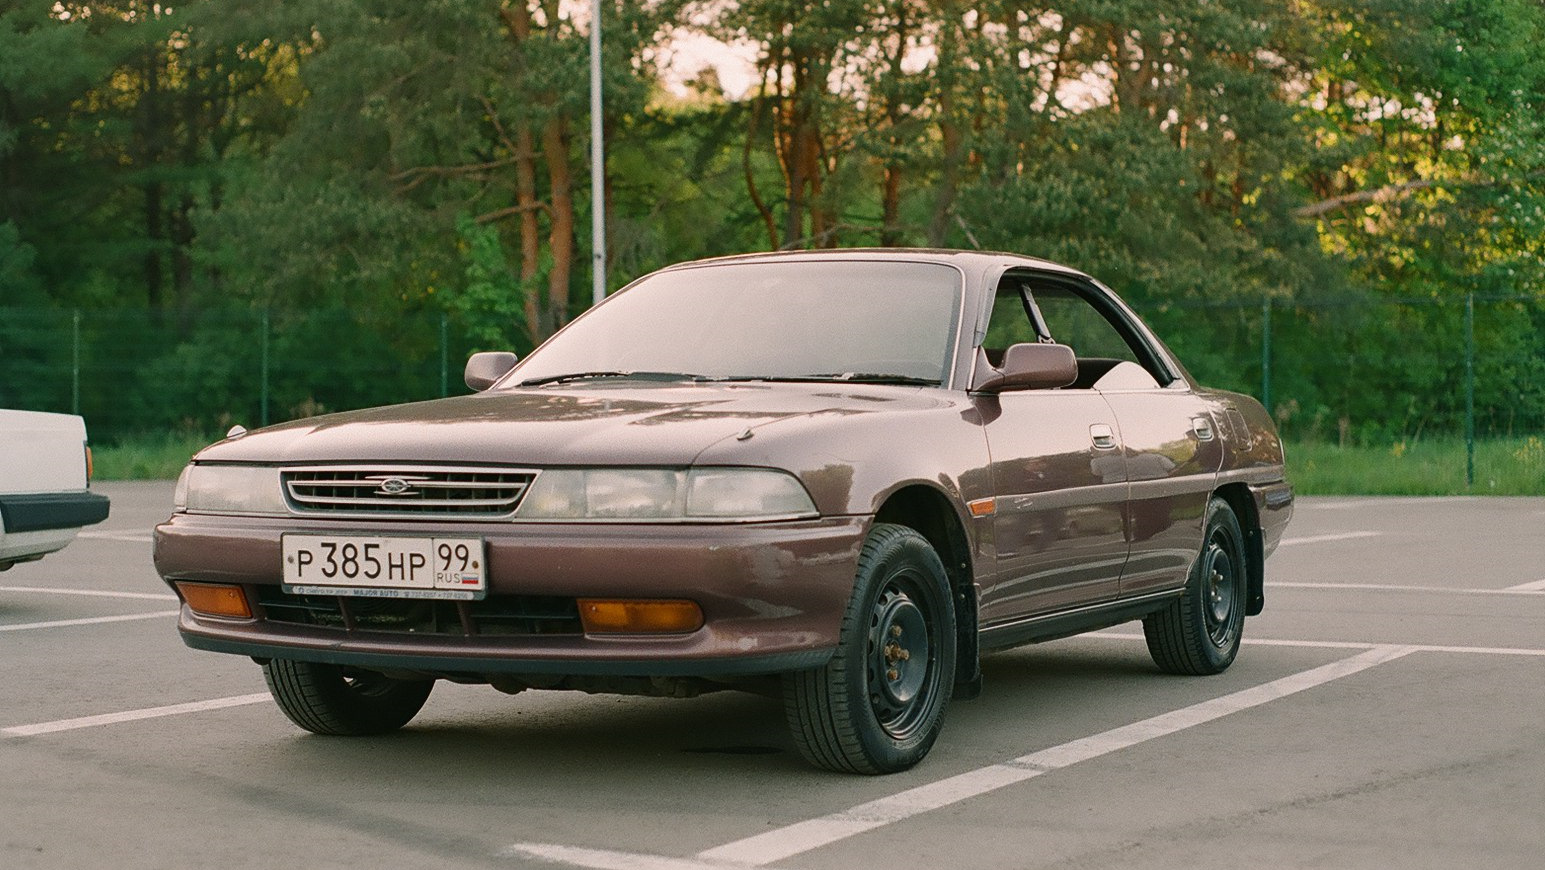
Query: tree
pixel 419 114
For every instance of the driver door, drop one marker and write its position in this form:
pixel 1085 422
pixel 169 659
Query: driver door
pixel 1059 480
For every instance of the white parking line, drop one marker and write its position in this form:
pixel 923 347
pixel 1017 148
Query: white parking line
pixel 98 593
pixel 1525 589
pixel 605 859
pixel 95 620
pixel 1320 539
pixel 132 715
pixel 1352 644
pixel 1386 501
pixel 107 535
pixel 765 848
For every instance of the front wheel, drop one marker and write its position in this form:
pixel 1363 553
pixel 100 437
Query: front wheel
pixel 878 705
pixel 327 699
pixel 1199 632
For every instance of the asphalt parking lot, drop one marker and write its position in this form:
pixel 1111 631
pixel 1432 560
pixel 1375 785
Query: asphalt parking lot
pixel 1388 710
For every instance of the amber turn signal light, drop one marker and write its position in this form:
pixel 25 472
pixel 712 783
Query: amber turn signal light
pixel 215 599
pixel 635 617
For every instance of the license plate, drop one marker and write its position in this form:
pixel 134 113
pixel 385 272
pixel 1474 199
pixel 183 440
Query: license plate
pixel 385 567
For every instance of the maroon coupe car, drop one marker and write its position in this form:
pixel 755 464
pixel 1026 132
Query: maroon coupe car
pixel 845 474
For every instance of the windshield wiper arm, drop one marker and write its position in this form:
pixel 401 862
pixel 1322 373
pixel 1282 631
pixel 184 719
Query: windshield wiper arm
pixel 881 378
pixel 840 377
pixel 642 376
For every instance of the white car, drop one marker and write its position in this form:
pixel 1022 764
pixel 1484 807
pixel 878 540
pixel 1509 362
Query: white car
pixel 45 475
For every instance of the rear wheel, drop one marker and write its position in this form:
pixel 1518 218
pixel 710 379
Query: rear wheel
pixel 328 699
pixel 878 705
pixel 1199 632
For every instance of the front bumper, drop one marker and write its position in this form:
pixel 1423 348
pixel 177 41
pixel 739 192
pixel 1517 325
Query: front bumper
pixel 772 594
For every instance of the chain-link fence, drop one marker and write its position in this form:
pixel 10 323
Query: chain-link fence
pixel 1339 371
pixel 1384 373
pixel 131 373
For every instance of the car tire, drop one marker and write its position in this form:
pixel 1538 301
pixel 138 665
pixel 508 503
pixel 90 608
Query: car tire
pixel 878 705
pixel 327 699
pixel 1199 632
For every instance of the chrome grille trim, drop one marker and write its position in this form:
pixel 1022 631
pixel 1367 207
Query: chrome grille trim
pixel 466 492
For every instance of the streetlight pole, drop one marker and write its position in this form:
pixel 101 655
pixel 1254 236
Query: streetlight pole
pixel 597 163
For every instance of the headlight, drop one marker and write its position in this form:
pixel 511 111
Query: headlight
pixel 231 489
pixel 662 494
pixel 745 492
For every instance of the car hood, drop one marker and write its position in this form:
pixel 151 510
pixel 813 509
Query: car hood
pixel 612 424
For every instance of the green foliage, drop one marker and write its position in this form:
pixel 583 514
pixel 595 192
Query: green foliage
pixel 1513 466
pixel 489 301
pixel 371 173
pixel 1118 198
pixel 149 457
pixel 1440 103
pixel 19 283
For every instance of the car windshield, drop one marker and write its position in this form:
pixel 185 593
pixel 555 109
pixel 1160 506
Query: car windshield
pixel 850 320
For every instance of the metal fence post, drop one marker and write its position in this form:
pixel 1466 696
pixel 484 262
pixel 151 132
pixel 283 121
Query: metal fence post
pixel 75 366
pixel 1470 389
pixel 263 332
pixel 445 356
pixel 1266 353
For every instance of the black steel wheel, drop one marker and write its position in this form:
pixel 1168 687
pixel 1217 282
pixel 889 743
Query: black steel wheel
pixel 1199 632
pixel 327 699
pixel 878 705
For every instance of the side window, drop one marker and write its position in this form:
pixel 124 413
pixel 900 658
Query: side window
pixel 1010 321
pixel 1107 359
pixel 1028 307
pixel 1079 325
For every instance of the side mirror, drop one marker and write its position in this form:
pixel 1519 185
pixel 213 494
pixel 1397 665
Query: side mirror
pixel 1028 367
pixel 483 369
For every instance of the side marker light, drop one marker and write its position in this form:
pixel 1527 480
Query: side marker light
pixel 601 616
pixel 215 599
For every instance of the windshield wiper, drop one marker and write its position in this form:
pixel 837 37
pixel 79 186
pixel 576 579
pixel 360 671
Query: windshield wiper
pixel 841 377
pixel 883 378
pixel 642 376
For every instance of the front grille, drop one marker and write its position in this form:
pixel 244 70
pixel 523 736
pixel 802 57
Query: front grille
pixel 460 493
pixel 497 615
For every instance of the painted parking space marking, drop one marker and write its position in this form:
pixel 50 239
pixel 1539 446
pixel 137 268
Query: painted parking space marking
pixel 132 537
pixel 131 715
pixel 1351 644
pixel 1524 589
pixel 606 859
pixel 1387 501
pixel 95 593
pixel 95 620
pixel 1320 539
pixel 218 703
pixel 763 849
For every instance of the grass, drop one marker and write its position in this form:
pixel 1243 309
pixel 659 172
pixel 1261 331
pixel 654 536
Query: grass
pixel 1505 466
pixel 151 457
pixel 1512 466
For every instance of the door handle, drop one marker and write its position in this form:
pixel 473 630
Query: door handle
pixel 1202 427
pixel 1104 437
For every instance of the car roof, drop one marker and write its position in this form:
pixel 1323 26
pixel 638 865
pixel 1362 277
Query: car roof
pixel 968 260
